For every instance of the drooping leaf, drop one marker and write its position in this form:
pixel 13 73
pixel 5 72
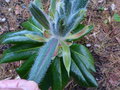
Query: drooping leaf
pixel 15 53
pixel 38 3
pixel 56 75
pixel 85 72
pixel 36 38
pixel 43 61
pixel 39 16
pixel 84 51
pixel 81 33
pixel 66 56
pixel 32 25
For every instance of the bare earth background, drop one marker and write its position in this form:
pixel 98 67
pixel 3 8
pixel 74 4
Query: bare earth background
pixel 104 41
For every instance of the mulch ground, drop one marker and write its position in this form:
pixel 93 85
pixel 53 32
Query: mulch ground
pixel 104 41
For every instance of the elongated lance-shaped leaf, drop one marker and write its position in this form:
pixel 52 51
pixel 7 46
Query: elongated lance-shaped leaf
pixel 39 16
pixel 86 73
pixel 81 49
pixel 56 74
pixel 81 33
pixel 25 47
pixel 66 56
pixel 24 70
pixel 74 20
pixel 32 25
pixel 67 7
pixel 43 61
pixel 16 54
pixel 18 40
pixel 65 77
pixel 36 38
pixel 78 4
pixel 77 75
pixel 78 28
pixel 18 33
pixel 52 8
pixel 85 60
pixel 38 3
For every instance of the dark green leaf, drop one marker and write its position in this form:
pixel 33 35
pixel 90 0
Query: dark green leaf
pixel 65 77
pixel 47 81
pixel 16 54
pixel 77 74
pixel 85 72
pixel 43 61
pixel 39 16
pixel 84 51
pixel 56 75
pixel 32 25
pixel 78 28
pixel 24 69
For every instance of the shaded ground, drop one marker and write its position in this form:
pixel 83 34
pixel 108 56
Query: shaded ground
pixel 104 41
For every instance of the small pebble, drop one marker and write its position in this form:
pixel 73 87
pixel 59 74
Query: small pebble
pixel 113 7
pixel 100 1
pixel 7 1
pixel 9 9
pixel 88 45
pixel 23 6
pixel 2 19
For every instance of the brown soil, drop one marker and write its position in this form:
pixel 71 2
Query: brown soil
pixel 104 41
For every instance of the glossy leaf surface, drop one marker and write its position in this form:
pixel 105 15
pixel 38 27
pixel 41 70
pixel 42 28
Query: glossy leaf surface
pixel 85 72
pixel 84 51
